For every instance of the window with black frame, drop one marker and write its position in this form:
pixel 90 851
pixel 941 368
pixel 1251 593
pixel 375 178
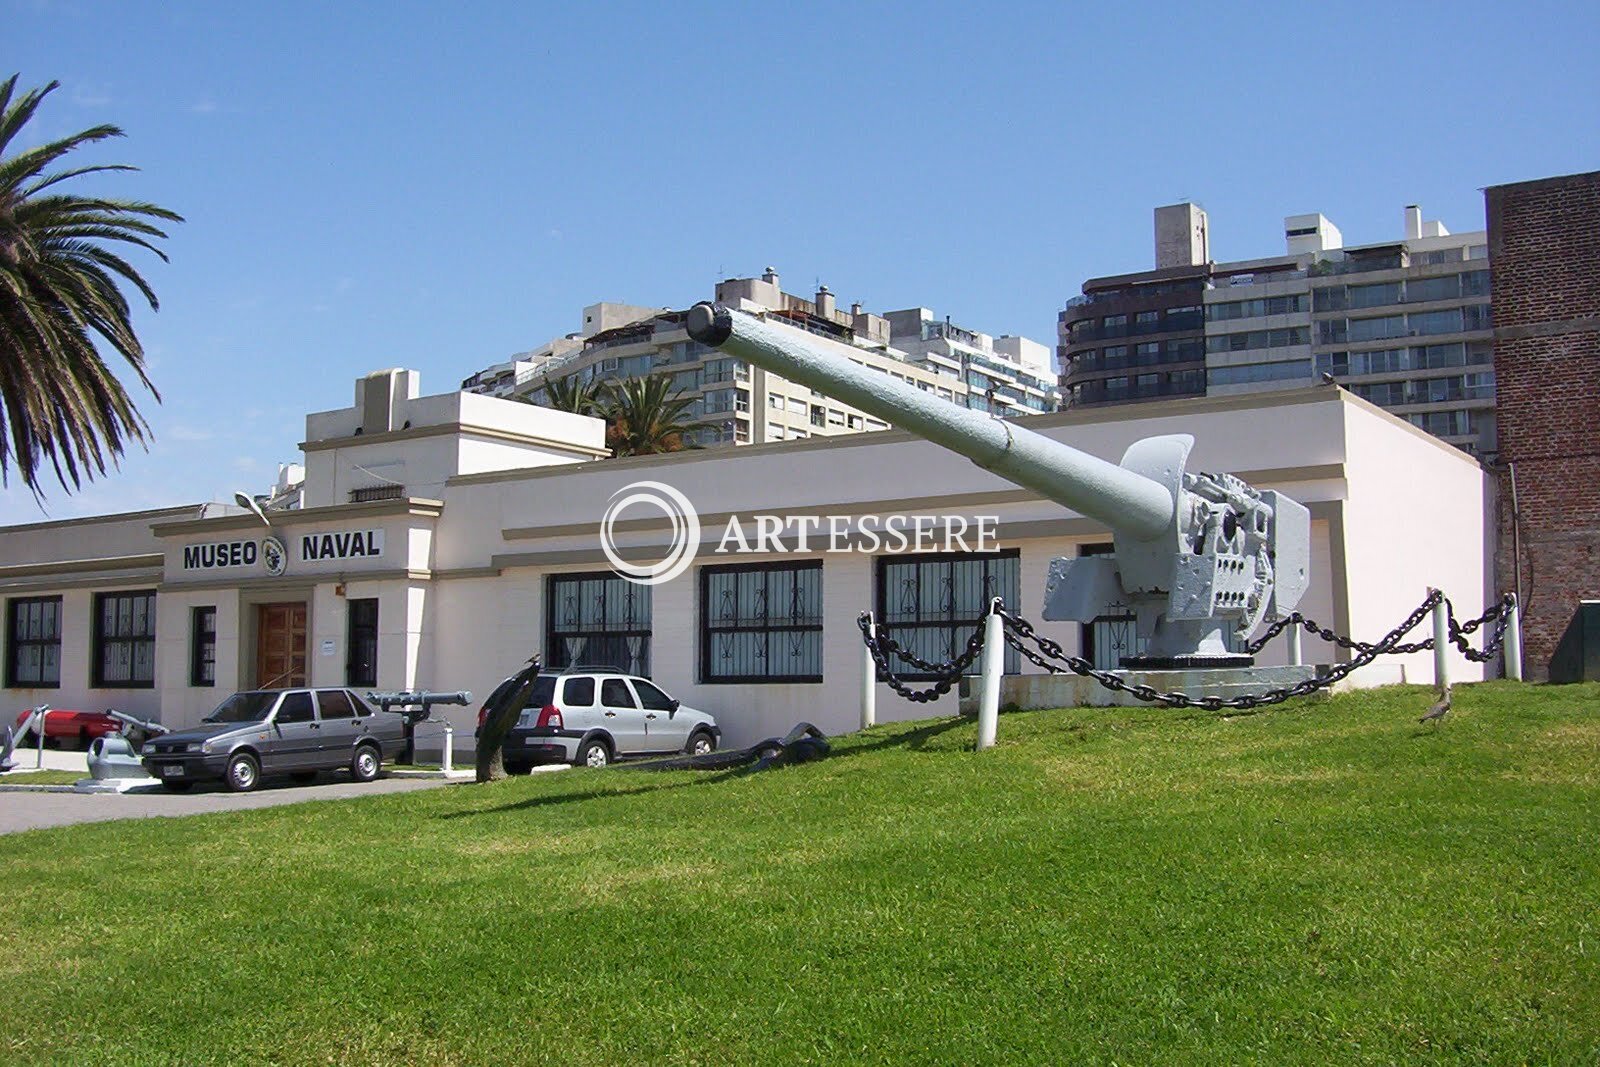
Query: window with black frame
pixel 33 643
pixel 203 646
pixel 597 620
pixel 761 623
pixel 361 643
pixel 125 640
pixel 932 604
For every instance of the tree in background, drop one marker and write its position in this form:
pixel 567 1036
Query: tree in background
pixel 60 291
pixel 572 394
pixel 646 416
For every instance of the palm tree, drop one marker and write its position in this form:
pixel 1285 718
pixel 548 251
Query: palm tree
pixel 646 416
pixel 59 291
pixel 571 394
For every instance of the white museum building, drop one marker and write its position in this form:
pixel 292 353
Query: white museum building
pixel 443 540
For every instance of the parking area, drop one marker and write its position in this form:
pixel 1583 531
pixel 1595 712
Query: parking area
pixel 35 810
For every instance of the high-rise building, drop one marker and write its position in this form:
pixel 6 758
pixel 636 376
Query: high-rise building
pixel 1006 375
pixel 1404 324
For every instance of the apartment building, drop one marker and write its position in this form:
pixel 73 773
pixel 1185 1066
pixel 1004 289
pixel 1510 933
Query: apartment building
pixel 1007 375
pixel 1404 324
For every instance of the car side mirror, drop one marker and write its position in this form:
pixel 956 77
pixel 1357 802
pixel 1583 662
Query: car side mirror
pixel 672 709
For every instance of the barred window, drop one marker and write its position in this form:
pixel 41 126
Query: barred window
pixel 203 646
pixel 125 640
pixel 33 653
pixel 597 620
pixel 932 604
pixel 761 623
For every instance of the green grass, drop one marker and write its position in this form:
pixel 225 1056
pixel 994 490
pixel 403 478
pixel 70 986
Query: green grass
pixel 1314 883
pixel 42 777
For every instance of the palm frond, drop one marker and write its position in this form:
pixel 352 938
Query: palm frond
pixel 62 408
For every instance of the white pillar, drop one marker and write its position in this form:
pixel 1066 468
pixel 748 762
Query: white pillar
pixel 1512 649
pixel 869 680
pixel 1293 640
pixel 449 745
pixel 1441 644
pixel 994 661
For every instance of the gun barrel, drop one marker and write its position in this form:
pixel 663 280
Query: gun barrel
pixel 1128 503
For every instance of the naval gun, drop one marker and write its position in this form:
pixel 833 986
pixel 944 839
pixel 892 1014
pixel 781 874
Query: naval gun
pixel 1199 558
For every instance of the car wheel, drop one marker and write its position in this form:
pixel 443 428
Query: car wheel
pixel 518 767
pixel 700 743
pixel 244 773
pixel 84 740
pixel 366 764
pixel 303 777
pixel 594 753
pixel 176 787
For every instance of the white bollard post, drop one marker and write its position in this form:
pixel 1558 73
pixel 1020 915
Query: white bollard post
pixel 869 680
pixel 449 746
pixel 994 661
pixel 1512 649
pixel 1293 635
pixel 38 735
pixel 1441 645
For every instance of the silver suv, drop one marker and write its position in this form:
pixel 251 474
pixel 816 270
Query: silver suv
pixel 589 716
pixel 276 731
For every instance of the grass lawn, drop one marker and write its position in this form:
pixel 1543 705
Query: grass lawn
pixel 45 777
pixel 1313 883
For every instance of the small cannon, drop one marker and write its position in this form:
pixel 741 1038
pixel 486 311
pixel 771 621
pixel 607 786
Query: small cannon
pixel 1199 557
pixel 415 705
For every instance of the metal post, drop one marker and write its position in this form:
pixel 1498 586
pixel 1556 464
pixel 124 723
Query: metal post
pixel 1441 644
pixel 869 679
pixel 994 660
pixel 449 743
pixel 1512 649
pixel 38 733
pixel 1293 635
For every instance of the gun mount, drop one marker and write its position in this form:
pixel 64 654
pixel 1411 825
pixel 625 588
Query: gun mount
pixel 417 705
pixel 1199 557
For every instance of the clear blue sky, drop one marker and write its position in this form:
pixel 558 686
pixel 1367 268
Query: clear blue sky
pixel 438 186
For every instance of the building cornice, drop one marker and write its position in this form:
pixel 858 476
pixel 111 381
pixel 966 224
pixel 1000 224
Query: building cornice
pixel 90 520
pixel 963 502
pixel 456 429
pixel 422 507
pixel 80 566
pixel 293 581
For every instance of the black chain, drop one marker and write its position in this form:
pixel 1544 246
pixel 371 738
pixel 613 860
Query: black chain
pixel 946 675
pixel 1500 613
pixel 1051 657
pixel 1018 629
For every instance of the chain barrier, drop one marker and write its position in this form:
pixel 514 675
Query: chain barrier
pixel 1052 658
pixel 945 675
pixel 1499 614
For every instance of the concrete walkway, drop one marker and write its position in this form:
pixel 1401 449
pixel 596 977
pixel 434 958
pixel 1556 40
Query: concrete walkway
pixel 31 810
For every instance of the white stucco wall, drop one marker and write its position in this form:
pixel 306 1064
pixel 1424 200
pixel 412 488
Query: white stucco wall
pixel 462 584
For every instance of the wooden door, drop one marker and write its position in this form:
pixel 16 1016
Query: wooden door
pixel 280 645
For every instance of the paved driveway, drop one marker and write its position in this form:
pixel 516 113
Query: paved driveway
pixel 30 811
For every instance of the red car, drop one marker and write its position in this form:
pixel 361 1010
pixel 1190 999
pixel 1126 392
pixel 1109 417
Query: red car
pixel 62 726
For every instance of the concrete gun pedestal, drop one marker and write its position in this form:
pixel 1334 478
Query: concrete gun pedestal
pixel 1030 692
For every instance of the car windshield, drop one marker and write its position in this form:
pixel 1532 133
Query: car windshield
pixel 244 707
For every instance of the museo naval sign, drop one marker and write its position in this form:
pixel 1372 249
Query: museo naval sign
pixel 272 555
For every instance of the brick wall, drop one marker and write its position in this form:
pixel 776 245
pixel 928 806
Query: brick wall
pixel 1544 253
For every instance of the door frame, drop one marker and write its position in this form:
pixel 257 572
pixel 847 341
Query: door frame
pixel 254 611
